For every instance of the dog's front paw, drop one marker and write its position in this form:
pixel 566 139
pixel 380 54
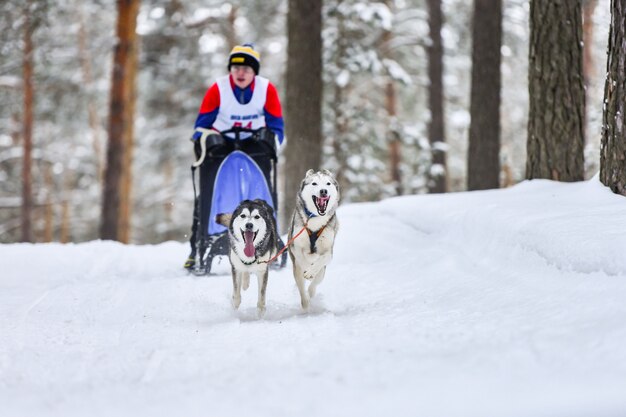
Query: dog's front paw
pixel 305 301
pixel 311 271
pixel 260 310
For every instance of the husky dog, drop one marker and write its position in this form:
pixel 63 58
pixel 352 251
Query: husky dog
pixel 310 252
pixel 253 241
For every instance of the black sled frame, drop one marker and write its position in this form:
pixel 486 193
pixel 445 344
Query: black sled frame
pixel 210 246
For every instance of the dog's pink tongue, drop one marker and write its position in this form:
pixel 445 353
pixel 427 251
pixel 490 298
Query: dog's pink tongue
pixel 248 238
pixel 322 202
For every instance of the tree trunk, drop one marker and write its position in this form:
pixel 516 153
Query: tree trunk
pixel 92 112
pixel 231 31
pixel 483 159
pixel 589 6
pixel 303 116
pixel 393 136
pixel 556 91
pixel 340 129
pixel 27 120
pixel 65 232
pixel 126 181
pixel 48 230
pixel 340 92
pixel 613 146
pixel 589 71
pixel 438 177
pixel 168 179
pixel 126 24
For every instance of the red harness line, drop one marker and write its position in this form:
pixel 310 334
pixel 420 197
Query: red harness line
pixel 319 232
pixel 280 252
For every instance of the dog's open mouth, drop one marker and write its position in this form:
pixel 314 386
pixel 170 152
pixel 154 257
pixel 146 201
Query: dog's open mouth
pixel 248 240
pixel 321 204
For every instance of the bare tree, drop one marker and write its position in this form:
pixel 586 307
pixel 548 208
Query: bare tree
pixel 613 147
pixel 483 159
pixel 303 113
pixel 556 91
pixel 339 93
pixel 589 7
pixel 119 116
pixel 436 128
pixel 92 108
pixel 589 72
pixel 124 222
pixel 393 136
pixel 27 120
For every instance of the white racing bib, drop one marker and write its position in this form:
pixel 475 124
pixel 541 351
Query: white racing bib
pixel 232 113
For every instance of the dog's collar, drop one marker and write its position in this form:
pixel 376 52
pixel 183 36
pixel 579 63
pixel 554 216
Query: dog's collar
pixel 308 213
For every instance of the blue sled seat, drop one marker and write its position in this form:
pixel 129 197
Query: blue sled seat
pixel 238 178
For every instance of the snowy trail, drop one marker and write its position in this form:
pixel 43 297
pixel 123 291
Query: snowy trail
pixel 502 303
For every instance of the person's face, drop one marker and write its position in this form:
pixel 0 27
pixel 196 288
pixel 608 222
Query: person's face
pixel 242 75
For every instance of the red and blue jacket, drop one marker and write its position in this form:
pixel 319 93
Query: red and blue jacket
pixel 272 109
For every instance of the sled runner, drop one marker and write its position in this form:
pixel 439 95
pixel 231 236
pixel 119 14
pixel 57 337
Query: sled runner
pixel 234 166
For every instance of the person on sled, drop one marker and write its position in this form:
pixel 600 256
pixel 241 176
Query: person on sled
pixel 240 99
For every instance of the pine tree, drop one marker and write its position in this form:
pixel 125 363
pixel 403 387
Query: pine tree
pixel 27 121
pixel 118 118
pixel 483 167
pixel 613 147
pixel 436 127
pixel 303 114
pixel 556 90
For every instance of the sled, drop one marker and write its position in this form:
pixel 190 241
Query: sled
pixel 222 187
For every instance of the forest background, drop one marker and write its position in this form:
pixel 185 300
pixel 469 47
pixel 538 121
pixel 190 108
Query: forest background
pixel 368 50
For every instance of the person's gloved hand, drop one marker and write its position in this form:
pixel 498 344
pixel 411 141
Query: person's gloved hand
pixel 267 138
pixel 212 140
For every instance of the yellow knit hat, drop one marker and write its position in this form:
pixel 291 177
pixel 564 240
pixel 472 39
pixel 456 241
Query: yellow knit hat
pixel 245 55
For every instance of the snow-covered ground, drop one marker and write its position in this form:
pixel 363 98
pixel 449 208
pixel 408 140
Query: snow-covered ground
pixel 496 303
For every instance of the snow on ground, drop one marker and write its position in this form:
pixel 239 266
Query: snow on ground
pixel 495 303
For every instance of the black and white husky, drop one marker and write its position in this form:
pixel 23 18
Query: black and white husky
pixel 253 242
pixel 312 251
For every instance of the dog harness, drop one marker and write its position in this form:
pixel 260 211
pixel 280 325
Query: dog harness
pixel 313 237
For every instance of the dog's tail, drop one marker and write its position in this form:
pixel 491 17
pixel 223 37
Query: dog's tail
pixel 224 219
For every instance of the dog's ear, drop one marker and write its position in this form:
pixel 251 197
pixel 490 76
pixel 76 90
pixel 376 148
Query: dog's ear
pixel 303 183
pixel 264 205
pixel 327 172
pixel 224 219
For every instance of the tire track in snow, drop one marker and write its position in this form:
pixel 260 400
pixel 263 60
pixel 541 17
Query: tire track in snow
pixel 22 322
pixel 34 304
